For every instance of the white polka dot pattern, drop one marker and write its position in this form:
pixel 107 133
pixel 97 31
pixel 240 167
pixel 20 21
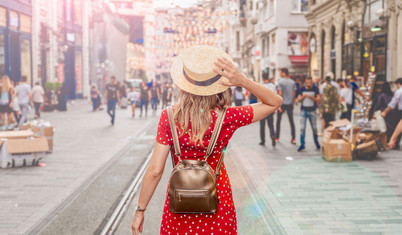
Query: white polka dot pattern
pixel 224 220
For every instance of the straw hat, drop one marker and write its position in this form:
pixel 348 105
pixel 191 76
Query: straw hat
pixel 192 71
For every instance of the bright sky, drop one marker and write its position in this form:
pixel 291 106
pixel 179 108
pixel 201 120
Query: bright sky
pixel 174 3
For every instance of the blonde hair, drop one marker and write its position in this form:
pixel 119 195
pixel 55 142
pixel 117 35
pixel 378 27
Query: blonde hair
pixel 6 84
pixel 195 110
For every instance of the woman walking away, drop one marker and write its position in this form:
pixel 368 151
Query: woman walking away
pixel 6 100
pixel 144 97
pixel 94 97
pixel 203 74
pixel 132 97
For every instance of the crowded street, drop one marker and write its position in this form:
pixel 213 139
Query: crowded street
pixel 277 190
pixel 200 117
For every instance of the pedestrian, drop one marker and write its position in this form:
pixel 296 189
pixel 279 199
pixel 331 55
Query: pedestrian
pixel 396 104
pixel 238 96
pixel 133 97
pixel 380 103
pixel 309 96
pixel 38 97
pixel 112 96
pixel 145 96
pixel 203 103
pixel 356 90
pixel 166 95
pixel 23 91
pixel 346 97
pixel 329 102
pixel 154 97
pixel 94 97
pixel 322 87
pixel 269 83
pixel 286 89
pixel 6 100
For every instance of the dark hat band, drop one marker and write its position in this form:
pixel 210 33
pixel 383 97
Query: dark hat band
pixel 203 83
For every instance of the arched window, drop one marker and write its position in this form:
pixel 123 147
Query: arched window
pixel 323 53
pixel 333 51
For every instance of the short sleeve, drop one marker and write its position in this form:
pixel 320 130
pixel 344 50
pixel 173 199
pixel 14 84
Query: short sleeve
pixel 164 135
pixel 240 116
pixel 279 86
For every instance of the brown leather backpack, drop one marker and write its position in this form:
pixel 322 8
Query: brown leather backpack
pixel 192 186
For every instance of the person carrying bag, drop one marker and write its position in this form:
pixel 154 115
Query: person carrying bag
pixel 192 187
pixel 196 132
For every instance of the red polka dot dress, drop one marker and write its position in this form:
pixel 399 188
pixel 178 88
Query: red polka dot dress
pixel 224 220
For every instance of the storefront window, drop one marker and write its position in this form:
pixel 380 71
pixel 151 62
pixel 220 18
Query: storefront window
pixel 2 55
pixel 26 59
pixel 372 7
pixel 14 20
pixel 25 24
pixel 3 17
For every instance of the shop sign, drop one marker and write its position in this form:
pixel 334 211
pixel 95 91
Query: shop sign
pixel 3 21
pixel 297 43
pixel 13 19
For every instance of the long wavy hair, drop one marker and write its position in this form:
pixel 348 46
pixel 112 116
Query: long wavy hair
pixel 194 111
pixel 6 84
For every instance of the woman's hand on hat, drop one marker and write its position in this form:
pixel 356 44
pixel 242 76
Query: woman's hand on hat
pixel 226 69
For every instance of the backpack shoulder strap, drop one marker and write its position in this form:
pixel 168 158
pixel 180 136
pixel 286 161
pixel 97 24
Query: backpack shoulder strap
pixel 214 139
pixel 175 137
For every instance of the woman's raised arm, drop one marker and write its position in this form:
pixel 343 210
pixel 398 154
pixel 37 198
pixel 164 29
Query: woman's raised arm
pixel 270 101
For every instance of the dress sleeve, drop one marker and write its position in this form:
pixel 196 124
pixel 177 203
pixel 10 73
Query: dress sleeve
pixel 240 116
pixel 164 135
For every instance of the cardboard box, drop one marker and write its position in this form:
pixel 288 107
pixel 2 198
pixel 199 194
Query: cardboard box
pixel 340 123
pixel 337 150
pixel 16 134
pixel 356 133
pixel 45 131
pixel 22 151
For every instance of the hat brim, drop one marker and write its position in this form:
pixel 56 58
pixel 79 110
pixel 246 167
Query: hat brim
pixel 176 71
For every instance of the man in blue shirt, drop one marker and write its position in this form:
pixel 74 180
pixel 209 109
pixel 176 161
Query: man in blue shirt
pixel 309 96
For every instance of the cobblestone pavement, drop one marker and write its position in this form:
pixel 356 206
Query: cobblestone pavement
pixel 84 144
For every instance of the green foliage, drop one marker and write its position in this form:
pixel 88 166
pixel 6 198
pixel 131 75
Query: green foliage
pixel 49 86
pixel 57 85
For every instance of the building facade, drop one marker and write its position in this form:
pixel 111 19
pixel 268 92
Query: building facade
pixel 268 35
pixel 355 38
pixel 282 40
pixel 16 39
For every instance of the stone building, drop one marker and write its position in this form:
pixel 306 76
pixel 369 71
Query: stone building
pixel 355 38
pixel 267 35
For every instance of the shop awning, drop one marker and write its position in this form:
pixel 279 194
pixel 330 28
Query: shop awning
pixel 301 60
